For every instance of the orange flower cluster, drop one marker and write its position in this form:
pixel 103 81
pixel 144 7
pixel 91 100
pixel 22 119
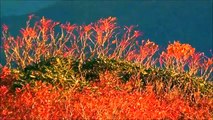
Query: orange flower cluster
pixel 137 33
pixel 208 62
pixel 148 48
pixel 68 27
pixel 107 24
pixel 145 54
pixel 182 57
pixel 104 29
pixel 178 55
pixel 180 51
pixel 28 32
pixel 45 24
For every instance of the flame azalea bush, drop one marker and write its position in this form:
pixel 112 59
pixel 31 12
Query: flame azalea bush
pixel 100 71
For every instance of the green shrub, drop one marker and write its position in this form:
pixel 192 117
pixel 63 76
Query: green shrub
pixel 56 70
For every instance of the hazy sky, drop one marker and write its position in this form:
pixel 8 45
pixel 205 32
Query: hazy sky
pixel 20 7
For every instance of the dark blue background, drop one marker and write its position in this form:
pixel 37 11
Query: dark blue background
pixel 189 21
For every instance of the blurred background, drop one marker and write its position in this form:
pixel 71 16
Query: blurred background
pixel 161 21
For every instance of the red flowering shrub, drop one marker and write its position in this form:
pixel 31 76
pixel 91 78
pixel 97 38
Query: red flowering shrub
pixel 180 57
pixel 106 99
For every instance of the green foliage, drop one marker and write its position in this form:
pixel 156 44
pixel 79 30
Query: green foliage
pixel 56 70
pixel 66 72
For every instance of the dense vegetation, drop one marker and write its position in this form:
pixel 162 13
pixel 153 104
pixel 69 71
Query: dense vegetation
pixel 101 71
